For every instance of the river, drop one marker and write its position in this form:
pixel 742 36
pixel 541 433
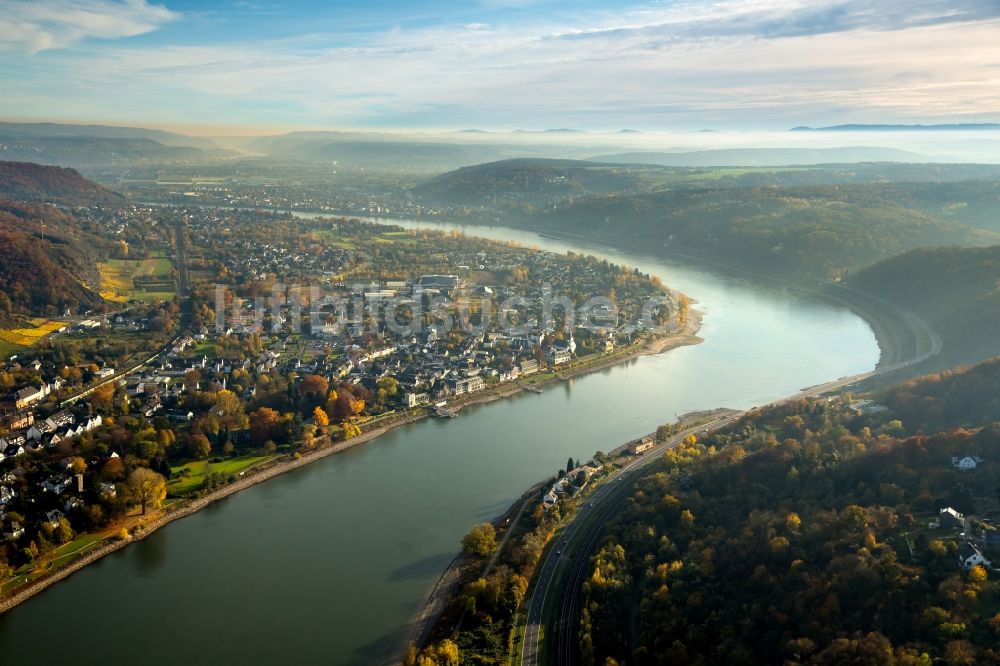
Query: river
pixel 327 564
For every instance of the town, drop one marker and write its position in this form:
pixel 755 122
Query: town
pixel 298 334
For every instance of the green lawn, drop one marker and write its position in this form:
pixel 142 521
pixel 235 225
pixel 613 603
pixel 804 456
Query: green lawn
pixel 69 551
pixel 541 376
pixel 59 557
pixel 202 468
pixel 159 267
pixel 205 348
pixel 152 296
pixel 9 348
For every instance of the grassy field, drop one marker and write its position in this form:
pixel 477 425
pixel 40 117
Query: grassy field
pixel 335 239
pixel 14 340
pixel 59 557
pixel 199 469
pixel 146 280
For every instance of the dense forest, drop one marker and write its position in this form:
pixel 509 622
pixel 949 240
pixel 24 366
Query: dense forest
pixel 954 289
pixel 802 535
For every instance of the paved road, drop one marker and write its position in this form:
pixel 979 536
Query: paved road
pixel 569 555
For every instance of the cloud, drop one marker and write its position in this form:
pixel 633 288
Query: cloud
pixel 768 63
pixel 773 19
pixel 30 26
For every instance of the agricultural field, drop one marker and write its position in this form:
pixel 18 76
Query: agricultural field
pixel 13 340
pixel 145 280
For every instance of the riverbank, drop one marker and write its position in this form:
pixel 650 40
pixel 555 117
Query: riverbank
pixel 185 507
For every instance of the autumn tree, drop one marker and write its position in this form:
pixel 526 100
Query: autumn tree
pixel 228 403
pixel 263 423
pixel 481 540
pixel 102 399
pixel 78 465
pixel 199 446
pixel 320 417
pixel 147 487
pixel 314 385
pixel 113 469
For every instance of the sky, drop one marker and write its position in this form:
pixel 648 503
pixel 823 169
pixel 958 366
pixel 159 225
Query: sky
pixel 500 64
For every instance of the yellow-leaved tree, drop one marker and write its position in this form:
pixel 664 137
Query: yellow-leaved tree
pixel 320 417
pixel 149 488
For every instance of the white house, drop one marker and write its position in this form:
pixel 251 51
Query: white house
pixel 965 464
pixel 414 399
pixel 969 556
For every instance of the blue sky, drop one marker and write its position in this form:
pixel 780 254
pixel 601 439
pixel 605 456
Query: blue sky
pixel 500 64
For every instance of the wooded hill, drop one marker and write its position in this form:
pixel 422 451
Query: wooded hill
pixel 527 180
pixel 47 253
pixel 800 535
pixel 35 183
pixel 957 290
pixel 45 261
pixel 817 221
pixel 787 232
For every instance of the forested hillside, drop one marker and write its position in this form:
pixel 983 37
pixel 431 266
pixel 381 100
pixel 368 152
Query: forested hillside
pixel 793 232
pixel 48 253
pixel 25 181
pixel 967 397
pixel 45 259
pixel 957 290
pixel 801 535
pixel 820 220
pixel 527 180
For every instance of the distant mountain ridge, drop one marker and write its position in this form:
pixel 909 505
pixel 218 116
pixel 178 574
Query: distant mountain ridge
pixel 89 146
pixel 66 130
pixel 769 157
pixel 898 128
